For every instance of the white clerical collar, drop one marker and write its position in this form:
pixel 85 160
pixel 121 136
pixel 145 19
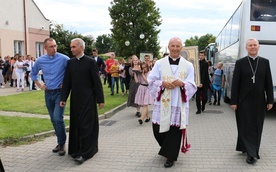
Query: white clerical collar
pixel 80 57
pixel 254 58
pixel 174 59
pixel 51 56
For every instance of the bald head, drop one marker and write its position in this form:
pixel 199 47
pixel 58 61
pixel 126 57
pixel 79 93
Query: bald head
pixel 175 39
pixel 175 47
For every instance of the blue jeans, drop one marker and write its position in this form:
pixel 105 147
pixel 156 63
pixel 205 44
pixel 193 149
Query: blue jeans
pixel 56 112
pixel 122 83
pixel 113 81
pixel 217 92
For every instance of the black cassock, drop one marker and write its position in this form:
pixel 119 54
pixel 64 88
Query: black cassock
pixel 82 79
pixel 251 100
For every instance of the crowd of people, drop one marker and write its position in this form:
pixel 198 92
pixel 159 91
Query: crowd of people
pixel 15 72
pixel 168 84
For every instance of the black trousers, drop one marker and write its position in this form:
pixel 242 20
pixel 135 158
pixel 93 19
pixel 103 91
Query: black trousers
pixel 109 80
pixel 169 141
pixel 201 92
pixel 27 78
pixel 1 167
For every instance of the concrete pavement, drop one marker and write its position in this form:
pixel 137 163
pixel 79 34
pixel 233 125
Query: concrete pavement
pixel 125 146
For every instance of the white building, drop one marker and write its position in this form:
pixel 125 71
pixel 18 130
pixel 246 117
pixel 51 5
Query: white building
pixel 23 28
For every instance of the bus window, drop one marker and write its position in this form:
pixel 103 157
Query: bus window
pixel 263 10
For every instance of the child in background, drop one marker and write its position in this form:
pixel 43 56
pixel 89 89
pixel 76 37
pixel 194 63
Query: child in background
pixel 114 70
pixel 143 97
pixel 218 83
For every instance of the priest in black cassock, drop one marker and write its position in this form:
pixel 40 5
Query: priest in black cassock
pixel 251 97
pixel 1 166
pixel 83 81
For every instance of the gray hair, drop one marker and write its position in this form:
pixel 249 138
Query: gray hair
pixel 81 43
pixel 254 39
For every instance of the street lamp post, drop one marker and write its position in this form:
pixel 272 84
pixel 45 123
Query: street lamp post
pixel 127 42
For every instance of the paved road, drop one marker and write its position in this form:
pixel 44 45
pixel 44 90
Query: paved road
pixel 126 146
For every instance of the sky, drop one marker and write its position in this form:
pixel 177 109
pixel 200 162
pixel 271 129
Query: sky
pixel 180 18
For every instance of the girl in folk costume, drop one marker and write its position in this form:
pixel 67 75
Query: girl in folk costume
pixel 133 86
pixel 143 97
pixel 171 82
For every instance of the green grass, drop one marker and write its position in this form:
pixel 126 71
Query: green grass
pixel 16 127
pixel 12 128
pixel 33 102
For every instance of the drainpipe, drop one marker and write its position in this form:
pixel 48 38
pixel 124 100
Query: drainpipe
pixel 25 27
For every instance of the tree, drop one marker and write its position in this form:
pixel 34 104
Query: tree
pixel 104 43
pixel 135 25
pixel 201 42
pixel 63 39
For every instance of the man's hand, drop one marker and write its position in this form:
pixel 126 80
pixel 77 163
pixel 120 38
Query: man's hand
pixel 101 105
pixel 234 107
pixel 62 104
pixel 269 106
pixel 177 83
pixel 168 85
pixel 200 85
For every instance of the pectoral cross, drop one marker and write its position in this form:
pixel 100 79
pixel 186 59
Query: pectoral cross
pixel 253 79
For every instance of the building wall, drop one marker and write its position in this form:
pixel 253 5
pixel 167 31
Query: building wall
pixel 12 17
pixel 7 38
pixel 12 26
pixel 36 35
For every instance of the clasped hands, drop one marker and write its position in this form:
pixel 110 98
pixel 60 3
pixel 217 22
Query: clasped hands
pixel 173 84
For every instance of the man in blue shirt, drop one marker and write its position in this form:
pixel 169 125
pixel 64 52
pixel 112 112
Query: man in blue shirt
pixel 53 66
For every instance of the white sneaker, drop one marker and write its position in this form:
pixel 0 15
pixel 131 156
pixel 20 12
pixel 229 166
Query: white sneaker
pixel 2 86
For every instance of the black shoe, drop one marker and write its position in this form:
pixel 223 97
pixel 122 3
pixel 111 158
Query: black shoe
pixel 215 102
pixel 203 108
pixel 147 120
pixel 112 94
pixel 140 121
pixel 79 159
pixel 250 160
pixel 218 103
pixel 168 164
pixel 138 114
pixel 198 112
pixel 56 149
pixel 210 103
pixel 61 150
pixel 74 155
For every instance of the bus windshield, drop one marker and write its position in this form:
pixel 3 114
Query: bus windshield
pixel 263 10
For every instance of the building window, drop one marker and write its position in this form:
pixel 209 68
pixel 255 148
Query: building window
pixel 19 47
pixel 39 49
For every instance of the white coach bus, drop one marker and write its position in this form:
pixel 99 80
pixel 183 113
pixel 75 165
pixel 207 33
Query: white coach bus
pixel 252 19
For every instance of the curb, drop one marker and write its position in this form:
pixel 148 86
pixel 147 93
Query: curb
pixel 112 111
pixel 106 115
